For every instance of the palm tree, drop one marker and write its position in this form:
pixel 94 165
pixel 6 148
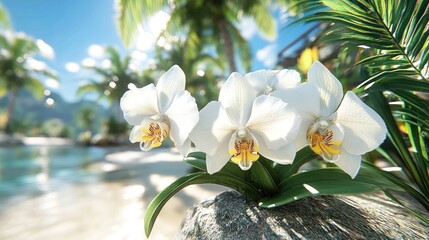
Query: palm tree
pixel 207 23
pixel 115 79
pixel 393 39
pixel 203 71
pixel 19 69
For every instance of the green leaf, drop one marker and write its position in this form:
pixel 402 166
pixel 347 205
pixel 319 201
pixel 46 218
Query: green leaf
pixel 198 160
pixel 262 177
pixel 338 185
pixel 302 157
pixel 162 198
pixel 131 13
pixel 264 20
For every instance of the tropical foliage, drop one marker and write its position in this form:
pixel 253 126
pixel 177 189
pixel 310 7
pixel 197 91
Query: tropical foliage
pixel 19 68
pixel 383 48
pixel 204 23
pixel 392 38
pixel 112 80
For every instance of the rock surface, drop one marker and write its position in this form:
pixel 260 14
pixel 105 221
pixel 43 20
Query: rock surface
pixel 374 216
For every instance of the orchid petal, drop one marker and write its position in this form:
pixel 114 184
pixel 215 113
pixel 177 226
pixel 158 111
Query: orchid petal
pixel 304 99
pixel 183 116
pixel 213 128
pixel 349 163
pixel 220 156
pixel 136 134
pixel 236 97
pixel 170 83
pixel 139 103
pixel 330 89
pixel 258 80
pixel 282 155
pixel 364 129
pixel 286 78
pixel 274 120
pixel 184 148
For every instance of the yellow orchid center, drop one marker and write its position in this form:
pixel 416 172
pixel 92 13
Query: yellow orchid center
pixel 325 140
pixel 154 133
pixel 243 149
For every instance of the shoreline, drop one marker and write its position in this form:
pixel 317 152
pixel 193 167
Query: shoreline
pixel 109 207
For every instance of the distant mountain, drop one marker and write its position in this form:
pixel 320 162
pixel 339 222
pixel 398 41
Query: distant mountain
pixel 30 109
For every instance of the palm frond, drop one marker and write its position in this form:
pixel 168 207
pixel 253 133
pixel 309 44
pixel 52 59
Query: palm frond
pixel 396 34
pixel 4 18
pixel 397 29
pixel 131 13
pixel 264 20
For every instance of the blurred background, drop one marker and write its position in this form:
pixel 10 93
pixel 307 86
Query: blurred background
pixel 67 168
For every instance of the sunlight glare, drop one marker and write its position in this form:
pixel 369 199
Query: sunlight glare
pixel 50 101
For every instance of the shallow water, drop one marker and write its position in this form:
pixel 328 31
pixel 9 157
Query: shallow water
pixel 69 192
pixel 39 169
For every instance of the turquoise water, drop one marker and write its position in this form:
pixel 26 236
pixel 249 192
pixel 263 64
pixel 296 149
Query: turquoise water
pixel 39 169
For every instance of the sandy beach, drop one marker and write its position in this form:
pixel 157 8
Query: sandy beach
pixel 112 208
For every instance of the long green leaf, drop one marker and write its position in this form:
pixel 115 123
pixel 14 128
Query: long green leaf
pixel 262 177
pixel 162 198
pixel 318 182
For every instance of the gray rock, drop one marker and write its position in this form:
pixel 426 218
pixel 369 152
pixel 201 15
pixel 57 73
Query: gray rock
pixel 374 216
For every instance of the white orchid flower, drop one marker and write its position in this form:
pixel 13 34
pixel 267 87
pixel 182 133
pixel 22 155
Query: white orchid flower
pixel 268 81
pixel 340 129
pixel 161 110
pixel 240 126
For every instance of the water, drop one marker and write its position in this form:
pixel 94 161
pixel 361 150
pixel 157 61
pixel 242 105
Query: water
pixel 39 169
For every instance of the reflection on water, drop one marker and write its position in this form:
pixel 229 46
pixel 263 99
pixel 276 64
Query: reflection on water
pixel 38 169
pixel 69 192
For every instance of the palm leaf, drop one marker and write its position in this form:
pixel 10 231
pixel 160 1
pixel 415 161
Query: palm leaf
pixel 4 17
pixel 396 34
pixel 398 30
pixel 131 13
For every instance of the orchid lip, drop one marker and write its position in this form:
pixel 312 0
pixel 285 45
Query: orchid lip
pixel 243 148
pixel 155 130
pixel 325 140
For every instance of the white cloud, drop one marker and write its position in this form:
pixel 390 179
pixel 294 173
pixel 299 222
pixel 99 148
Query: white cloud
pixel 158 22
pixel 106 63
pixel 147 34
pixel 144 40
pixel 36 65
pixel 45 49
pixel 138 56
pixel 96 51
pixel 52 83
pixel 88 62
pixel 267 55
pixel 247 27
pixel 72 67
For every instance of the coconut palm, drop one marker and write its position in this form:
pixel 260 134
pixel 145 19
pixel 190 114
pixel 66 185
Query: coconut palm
pixel 19 69
pixel 203 71
pixel 114 79
pixel 208 23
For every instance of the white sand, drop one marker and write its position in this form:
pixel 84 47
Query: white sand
pixel 106 210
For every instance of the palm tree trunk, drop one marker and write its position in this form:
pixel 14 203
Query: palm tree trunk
pixel 229 46
pixel 10 110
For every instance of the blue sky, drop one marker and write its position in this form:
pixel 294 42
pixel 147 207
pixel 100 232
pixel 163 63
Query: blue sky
pixel 72 26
